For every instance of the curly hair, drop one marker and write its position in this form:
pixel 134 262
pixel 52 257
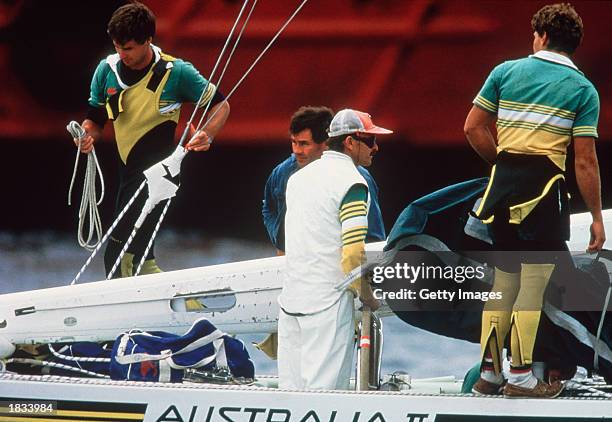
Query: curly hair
pixel 133 21
pixel 317 119
pixel 562 25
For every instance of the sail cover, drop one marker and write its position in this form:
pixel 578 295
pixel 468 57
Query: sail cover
pixel 440 221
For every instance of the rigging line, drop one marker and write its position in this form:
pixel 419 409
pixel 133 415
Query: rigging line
pixel 238 38
pixel 579 386
pixel 264 51
pixel 153 235
pixel 227 62
pixel 55 365
pixel 108 233
pixel 162 183
pixel 137 225
pixel 143 215
pixel 105 238
pixel 227 41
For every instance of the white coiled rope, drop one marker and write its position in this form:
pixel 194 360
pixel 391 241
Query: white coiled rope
pixel 88 211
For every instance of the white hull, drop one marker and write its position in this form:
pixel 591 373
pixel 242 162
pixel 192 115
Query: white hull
pixel 101 310
pixel 211 403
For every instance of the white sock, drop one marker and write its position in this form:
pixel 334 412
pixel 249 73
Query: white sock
pixel 524 379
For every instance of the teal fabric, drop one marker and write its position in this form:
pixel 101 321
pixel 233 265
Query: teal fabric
pixel 443 215
pixel 355 193
pixel 471 377
pixel 415 216
pixel 185 84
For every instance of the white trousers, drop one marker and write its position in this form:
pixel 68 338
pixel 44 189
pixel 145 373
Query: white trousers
pixel 315 352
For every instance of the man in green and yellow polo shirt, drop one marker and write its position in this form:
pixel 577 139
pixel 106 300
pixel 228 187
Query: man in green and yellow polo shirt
pixel 141 89
pixel 540 104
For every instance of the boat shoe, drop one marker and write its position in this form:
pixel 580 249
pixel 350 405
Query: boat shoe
pixel 542 390
pixel 486 388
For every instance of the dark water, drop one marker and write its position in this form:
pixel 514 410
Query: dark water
pixel 46 259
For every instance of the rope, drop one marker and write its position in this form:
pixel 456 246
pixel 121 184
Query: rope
pixel 264 51
pixel 153 235
pixel 579 386
pixel 266 48
pixel 181 142
pixel 55 365
pixel 125 247
pixel 227 62
pixel 88 210
pixel 199 126
pixel 108 233
pixel 76 358
pixel 227 41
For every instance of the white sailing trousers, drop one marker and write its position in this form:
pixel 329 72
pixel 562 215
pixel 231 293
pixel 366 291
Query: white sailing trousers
pixel 315 352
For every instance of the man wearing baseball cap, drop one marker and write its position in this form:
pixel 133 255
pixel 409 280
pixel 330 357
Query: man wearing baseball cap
pixel 307 130
pixel 325 229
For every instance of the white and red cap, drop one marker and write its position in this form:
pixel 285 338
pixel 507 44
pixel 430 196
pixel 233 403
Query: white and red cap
pixel 349 121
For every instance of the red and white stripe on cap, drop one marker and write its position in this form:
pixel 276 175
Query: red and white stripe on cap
pixel 349 121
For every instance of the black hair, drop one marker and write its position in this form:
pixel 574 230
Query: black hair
pixel 336 143
pixel 562 25
pixel 133 21
pixel 317 119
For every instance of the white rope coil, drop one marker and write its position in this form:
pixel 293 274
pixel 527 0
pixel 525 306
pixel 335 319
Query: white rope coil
pixel 593 391
pixel 88 211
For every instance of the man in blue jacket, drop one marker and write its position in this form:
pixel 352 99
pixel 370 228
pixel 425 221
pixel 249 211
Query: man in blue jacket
pixel 308 136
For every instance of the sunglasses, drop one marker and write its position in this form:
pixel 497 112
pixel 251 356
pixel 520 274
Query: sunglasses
pixel 370 141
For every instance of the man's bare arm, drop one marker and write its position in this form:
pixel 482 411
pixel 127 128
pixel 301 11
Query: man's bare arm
pixel 478 133
pixel 201 140
pixel 589 184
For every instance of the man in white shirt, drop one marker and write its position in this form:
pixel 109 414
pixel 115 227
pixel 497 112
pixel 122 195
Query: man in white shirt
pixel 325 229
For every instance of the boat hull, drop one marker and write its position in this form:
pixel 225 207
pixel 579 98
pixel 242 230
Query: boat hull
pixel 210 403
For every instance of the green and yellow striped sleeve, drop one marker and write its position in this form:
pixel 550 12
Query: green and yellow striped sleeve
pixel 354 220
